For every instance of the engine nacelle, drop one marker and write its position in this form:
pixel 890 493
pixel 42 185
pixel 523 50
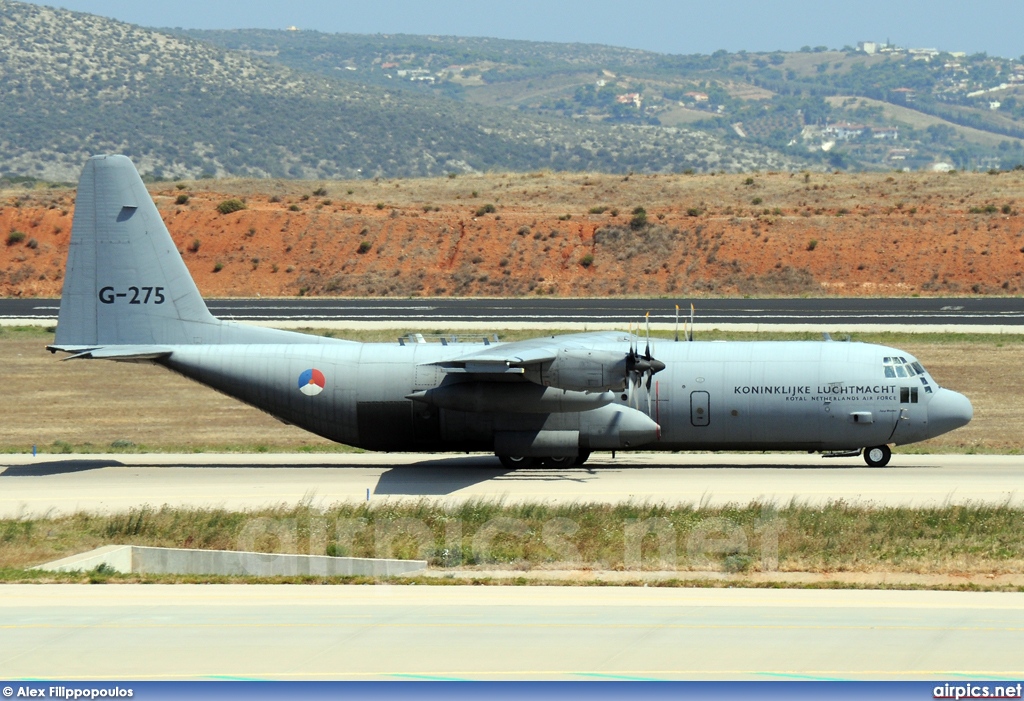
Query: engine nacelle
pixel 582 371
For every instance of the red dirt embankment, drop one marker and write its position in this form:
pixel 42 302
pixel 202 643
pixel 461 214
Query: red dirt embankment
pixel 568 234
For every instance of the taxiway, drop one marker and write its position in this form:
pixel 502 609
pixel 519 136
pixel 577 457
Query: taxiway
pixel 56 484
pixel 413 632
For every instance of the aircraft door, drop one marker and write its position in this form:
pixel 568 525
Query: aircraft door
pixel 700 408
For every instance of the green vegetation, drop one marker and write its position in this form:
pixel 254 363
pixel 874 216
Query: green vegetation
pixel 15 237
pixel 587 260
pixel 485 209
pixel 229 206
pixel 183 199
pixel 364 247
pixel 639 220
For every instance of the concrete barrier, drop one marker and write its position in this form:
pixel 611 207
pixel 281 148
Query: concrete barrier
pixel 137 559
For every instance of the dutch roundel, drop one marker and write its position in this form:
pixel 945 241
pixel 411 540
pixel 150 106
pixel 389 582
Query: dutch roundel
pixel 312 382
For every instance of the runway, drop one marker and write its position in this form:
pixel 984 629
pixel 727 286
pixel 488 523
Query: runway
pixel 978 314
pixel 61 484
pixel 130 632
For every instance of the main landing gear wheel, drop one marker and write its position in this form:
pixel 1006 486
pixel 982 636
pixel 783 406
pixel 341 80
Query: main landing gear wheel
pixel 563 461
pixel 877 456
pixel 516 462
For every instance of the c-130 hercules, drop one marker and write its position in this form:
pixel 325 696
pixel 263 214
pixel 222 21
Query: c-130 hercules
pixel 129 297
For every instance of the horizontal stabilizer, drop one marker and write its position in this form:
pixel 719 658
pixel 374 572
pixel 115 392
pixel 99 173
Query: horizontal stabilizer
pixel 122 353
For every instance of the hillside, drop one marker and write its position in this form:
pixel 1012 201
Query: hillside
pixel 568 234
pixel 911 108
pixel 73 85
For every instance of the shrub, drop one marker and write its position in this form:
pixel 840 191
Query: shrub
pixel 587 260
pixel 274 199
pixel 756 200
pixel 748 181
pixel 598 210
pixel 485 209
pixel 693 212
pixel 194 246
pixel 218 266
pixel 380 205
pixel 33 244
pixel 364 247
pixel 639 220
pixel 1007 209
pixel 565 217
pixel 320 192
pixel 15 237
pixel 229 206
pixel 294 208
pixel 812 244
pixel 181 199
pixel 180 186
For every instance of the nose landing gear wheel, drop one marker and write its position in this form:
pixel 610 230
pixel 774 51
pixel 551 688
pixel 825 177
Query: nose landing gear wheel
pixel 877 456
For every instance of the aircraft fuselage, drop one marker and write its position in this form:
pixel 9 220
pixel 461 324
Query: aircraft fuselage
pixel 816 396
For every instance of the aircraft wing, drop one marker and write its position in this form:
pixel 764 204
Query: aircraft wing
pixel 513 358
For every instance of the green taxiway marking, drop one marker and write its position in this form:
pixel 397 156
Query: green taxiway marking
pixel 809 677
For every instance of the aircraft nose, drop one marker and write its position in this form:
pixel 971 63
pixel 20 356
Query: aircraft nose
pixel 948 410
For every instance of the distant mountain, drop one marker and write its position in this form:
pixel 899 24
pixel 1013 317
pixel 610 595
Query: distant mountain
pixel 72 85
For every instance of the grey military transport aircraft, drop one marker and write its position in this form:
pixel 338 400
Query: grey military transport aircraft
pixel 129 297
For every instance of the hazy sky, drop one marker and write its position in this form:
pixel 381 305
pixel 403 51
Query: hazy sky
pixel 670 26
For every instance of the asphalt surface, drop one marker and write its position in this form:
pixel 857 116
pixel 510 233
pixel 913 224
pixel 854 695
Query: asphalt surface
pixel 992 312
pixel 60 484
pixel 129 632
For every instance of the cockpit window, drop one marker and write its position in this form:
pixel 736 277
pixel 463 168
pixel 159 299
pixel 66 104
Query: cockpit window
pixel 898 366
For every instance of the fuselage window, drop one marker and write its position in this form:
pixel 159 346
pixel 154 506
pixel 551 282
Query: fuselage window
pixel 889 372
pixel 901 371
pixel 918 367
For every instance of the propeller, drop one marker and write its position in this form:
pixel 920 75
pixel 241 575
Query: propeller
pixel 641 368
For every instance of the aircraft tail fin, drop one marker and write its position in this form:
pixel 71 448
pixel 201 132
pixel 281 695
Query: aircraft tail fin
pixel 125 281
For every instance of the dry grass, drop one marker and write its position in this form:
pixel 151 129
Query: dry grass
pixel 85 406
pixel 951 540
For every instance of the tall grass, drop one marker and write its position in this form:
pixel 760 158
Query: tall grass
pixel 839 537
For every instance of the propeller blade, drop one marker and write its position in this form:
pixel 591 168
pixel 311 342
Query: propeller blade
pixel 647 350
pixel 691 321
pixel 677 323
